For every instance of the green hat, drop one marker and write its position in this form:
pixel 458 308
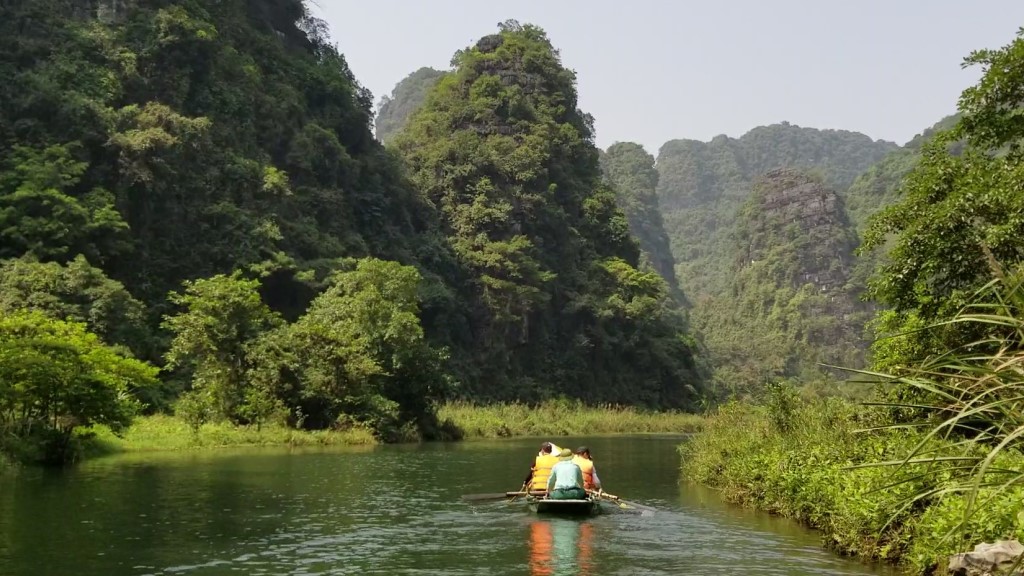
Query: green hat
pixel 565 454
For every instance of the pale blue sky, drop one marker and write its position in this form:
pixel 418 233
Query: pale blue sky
pixel 653 70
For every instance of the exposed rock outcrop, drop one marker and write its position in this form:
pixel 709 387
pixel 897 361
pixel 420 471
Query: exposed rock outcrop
pixel 790 208
pixel 988 559
pixel 791 263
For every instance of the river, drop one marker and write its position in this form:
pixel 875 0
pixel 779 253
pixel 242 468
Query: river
pixel 383 510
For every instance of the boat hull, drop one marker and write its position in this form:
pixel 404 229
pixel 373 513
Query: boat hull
pixel 585 507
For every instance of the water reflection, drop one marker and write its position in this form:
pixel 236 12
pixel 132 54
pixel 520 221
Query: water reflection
pixel 561 546
pixel 392 511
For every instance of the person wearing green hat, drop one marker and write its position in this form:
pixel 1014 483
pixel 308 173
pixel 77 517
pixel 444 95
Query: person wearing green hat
pixel 566 480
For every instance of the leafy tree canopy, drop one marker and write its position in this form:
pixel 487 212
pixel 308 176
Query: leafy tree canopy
pixel 961 215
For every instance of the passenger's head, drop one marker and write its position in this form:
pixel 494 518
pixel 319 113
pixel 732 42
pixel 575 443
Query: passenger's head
pixel 565 454
pixel 545 448
pixel 583 451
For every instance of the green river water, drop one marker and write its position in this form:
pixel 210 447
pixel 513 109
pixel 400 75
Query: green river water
pixel 383 510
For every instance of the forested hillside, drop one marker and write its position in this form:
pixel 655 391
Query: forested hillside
pixel 630 171
pixel 198 184
pixel 551 296
pixel 628 168
pixel 878 186
pixel 703 184
pixel 407 96
pixel 790 303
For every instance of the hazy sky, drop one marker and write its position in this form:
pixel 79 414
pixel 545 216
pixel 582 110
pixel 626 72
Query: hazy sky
pixel 654 70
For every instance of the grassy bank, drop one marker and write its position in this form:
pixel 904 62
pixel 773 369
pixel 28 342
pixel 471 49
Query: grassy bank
pixel 159 432
pixel 798 458
pixel 557 418
pixel 561 418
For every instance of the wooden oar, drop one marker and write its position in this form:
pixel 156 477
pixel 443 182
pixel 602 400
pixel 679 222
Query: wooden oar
pixel 522 492
pixel 494 496
pixel 625 504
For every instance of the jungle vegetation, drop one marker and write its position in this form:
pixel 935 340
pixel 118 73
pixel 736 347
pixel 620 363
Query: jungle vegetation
pixel 196 218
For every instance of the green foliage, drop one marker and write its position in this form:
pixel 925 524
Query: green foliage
pixel 818 469
pixel 764 317
pixel 160 432
pixel 630 171
pixel 77 292
pixel 501 150
pixel 407 96
pixel 363 351
pixel 194 409
pixel 791 305
pixel 203 138
pixel 43 211
pixel 560 417
pixel 221 318
pixel 224 150
pixel 879 186
pixel 55 377
pixel 703 184
pixel 960 211
pixel 970 398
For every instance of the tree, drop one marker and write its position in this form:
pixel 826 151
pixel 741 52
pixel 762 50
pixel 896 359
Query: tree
pixel 78 292
pixel 222 317
pixel 962 212
pixel 55 376
pixel 364 354
pixel 46 212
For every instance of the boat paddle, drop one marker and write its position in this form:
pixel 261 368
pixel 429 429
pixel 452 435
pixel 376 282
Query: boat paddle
pixel 492 496
pixel 522 492
pixel 624 504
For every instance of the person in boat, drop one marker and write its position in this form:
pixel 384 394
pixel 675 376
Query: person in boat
pixel 537 479
pixel 586 464
pixel 566 480
pixel 555 448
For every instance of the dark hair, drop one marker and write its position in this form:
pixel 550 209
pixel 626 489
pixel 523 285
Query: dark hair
pixel 583 450
pixel 545 447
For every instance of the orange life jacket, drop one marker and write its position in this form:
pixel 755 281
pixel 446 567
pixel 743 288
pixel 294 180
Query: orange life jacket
pixel 587 467
pixel 542 471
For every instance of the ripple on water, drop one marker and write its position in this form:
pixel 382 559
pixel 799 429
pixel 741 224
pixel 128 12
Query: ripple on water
pixel 392 511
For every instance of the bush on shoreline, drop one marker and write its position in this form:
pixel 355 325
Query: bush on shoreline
pixel 804 459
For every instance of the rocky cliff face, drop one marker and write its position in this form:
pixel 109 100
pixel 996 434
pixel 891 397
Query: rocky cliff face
pixel 789 305
pixel 791 209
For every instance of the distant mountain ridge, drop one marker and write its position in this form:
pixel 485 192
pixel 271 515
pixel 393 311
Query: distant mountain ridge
pixel 703 184
pixel 631 172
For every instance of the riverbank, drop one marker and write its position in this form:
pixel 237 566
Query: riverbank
pixel 553 418
pixel 562 418
pixel 168 433
pixel 797 458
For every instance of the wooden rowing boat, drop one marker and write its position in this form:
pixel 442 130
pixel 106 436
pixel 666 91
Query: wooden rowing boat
pixel 582 507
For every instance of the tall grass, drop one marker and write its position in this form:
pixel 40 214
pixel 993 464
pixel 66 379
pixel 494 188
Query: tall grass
pixel 972 400
pixel 561 418
pixel 906 490
pixel 159 432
